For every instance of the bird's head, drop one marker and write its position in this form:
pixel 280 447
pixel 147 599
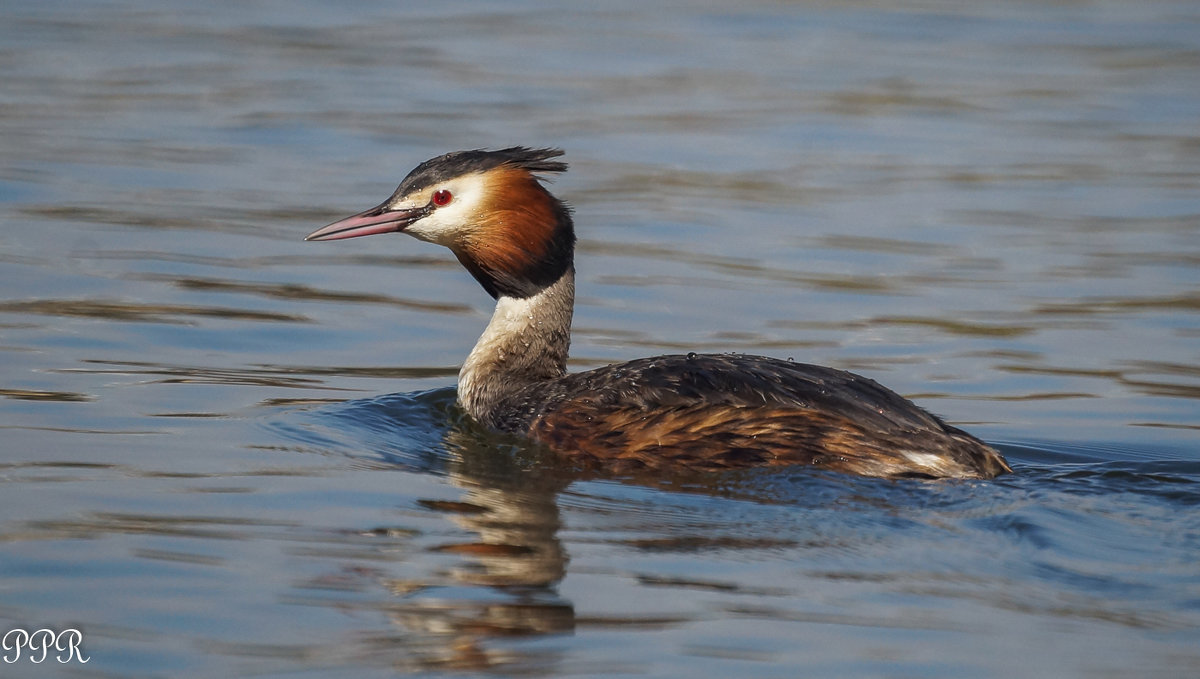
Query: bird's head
pixel 489 207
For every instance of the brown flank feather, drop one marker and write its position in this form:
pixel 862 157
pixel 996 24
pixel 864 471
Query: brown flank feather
pixel 713 412
pixel 707 438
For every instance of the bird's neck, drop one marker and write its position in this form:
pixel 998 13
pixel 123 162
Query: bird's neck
pixel 526 342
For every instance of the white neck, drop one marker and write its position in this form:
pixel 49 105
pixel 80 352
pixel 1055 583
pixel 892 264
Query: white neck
pixel 525 342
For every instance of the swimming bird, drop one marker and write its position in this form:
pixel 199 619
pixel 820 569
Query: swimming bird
pixel 697 412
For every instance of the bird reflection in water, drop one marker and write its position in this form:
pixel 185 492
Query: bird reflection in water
pixel 503 583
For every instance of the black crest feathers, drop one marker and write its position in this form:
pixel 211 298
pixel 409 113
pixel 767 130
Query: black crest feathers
pixel 458 163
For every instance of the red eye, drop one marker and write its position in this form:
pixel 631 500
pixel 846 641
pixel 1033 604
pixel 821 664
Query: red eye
pixel 442 197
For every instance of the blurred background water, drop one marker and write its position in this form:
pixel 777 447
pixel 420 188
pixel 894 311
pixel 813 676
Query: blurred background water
pixel 226 452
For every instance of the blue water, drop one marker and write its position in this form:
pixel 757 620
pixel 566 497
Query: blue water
pixel 227 452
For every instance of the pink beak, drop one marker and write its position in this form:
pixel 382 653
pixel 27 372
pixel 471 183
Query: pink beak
pixel 378 219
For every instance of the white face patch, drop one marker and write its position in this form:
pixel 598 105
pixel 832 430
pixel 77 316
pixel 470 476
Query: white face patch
pixel 445 225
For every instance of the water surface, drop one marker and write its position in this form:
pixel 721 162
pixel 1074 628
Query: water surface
pixel 227 452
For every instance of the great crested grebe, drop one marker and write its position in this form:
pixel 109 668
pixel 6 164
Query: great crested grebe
pixel 694 411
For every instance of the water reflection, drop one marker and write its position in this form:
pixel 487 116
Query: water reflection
pixel 510 507
pixel 487 569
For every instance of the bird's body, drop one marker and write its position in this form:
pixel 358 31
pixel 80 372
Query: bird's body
pixel 694 411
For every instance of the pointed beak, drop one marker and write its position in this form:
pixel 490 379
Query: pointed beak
pixel 379 219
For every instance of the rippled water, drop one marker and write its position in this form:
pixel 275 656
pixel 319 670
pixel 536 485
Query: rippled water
pixel 227 452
